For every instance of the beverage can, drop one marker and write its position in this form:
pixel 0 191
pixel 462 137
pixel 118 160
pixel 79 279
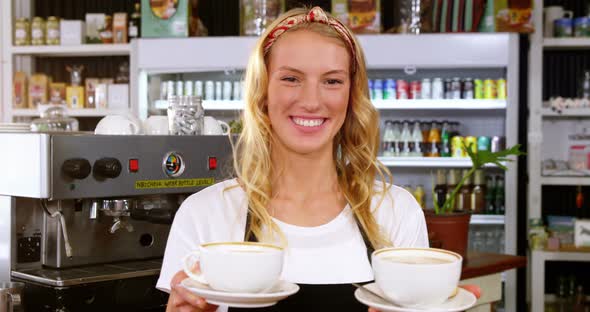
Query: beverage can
pixel 226 90
pixel 403 89
pixel 468 89
pixel 378 89
pixel 501 89
pixel 170 89
pixel 483 143
pixel 456 89
pixel 448 87
pixel 489 89
pixel 415 90
pixel 471 143
pixel 371 92
pixel 438 90
pixel 457 147
pixel 236 91
pixel 478 89
pixel 209 90
pixel 389 92
pixel 497 144
pixel 426 89
pixel 198 88
pixel 179 88
pixel 188 88
pixel 218 90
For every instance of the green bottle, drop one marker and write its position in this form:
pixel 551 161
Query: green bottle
pixel 445 138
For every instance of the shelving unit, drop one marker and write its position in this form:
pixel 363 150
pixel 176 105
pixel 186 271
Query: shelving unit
pixel 540 114
pixel 428 162
pixel 72 50
pixel 22 58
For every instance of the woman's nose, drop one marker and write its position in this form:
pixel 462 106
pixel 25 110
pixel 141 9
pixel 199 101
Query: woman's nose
pixel 311 97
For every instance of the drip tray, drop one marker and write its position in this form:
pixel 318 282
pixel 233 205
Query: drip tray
pixel 89 274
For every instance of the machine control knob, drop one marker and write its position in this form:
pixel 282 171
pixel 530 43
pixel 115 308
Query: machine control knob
pixel 107 168
pixel 76 168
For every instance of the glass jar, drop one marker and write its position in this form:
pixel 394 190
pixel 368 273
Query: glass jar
pixel 185 115
pixel 22 33
pixel 52 30
pixel 256 15
pixel 53 119
pixel 38 31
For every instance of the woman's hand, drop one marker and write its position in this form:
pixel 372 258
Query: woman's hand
pixel 182 300
pixel 474 289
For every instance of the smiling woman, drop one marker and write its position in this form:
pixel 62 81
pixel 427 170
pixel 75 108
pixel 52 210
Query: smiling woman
pixel 308 178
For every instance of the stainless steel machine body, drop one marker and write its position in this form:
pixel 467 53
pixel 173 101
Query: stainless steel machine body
pixel 82 210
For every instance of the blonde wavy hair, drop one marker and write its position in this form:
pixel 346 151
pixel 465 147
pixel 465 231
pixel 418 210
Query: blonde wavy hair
pixel 355 146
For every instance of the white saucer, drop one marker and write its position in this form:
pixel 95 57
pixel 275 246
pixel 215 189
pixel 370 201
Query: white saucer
pixel 463 300
pixel 241 300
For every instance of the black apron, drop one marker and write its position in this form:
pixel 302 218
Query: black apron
pixel 315 297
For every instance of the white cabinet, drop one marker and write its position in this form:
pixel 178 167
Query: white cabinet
pixel 542 143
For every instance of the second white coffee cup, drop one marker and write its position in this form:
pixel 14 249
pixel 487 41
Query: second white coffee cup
pixel 214 126
pixel 238 267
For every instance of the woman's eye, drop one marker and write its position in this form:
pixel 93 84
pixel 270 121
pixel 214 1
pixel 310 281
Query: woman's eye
pixel 289 79
pixel 334 81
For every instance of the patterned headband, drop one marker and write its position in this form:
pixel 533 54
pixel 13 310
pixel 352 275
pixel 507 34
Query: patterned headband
pixel 315 15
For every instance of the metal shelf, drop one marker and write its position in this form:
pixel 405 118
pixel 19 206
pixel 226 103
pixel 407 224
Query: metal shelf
pixel 545 255
pixel 545 180
pixel 566 113
pixel 83 112
pixel 393 105
pixel 74 50
pixel 566 43
pixel 487 219
pixel 428 162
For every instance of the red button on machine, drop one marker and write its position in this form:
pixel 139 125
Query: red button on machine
pixel 133 165
pixel 212 163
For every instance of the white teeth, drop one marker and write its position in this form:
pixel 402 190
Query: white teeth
pixel 308 122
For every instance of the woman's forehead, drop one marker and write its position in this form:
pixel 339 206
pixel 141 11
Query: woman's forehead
pixel 304 49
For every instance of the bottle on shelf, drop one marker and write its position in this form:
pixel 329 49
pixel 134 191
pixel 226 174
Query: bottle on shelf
pixel 405 139
pixel 433 141
pixel 478 193
pixel 388 139
pixel 135 22
pixel 464 194
pixel 425 127
pixel 489 196
pixel 417 140
pixel 440 188
pixel 451 184
pixel 419 194
pixel 445 137
pixel 499 195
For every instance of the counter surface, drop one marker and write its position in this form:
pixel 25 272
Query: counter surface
pixel 479 264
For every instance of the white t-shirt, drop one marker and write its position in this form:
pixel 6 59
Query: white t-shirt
pixel 219 214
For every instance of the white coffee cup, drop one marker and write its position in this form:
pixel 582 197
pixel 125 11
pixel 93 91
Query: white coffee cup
pixel 417 277
pixel 156 125
pixel 118 124
pixel 213 126
pixel 239 267
pixel 551 14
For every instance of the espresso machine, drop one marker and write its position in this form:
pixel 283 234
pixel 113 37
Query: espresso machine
pixel 84 219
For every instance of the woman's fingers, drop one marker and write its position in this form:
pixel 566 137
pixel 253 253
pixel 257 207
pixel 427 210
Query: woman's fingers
pixel 474 289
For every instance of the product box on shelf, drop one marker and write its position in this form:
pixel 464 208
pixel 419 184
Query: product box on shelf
pixel 95 22
pixel 118 96
pixel 38 89
pixel 71 32
pixel 57 93
pixel 120 28
pixel 508 16
pixel 362 16
pixel 160 19
pixel 75 97
pixel 19 90
pixel 90 89
pixel 582 233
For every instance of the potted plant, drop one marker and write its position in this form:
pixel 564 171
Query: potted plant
pixel 447 228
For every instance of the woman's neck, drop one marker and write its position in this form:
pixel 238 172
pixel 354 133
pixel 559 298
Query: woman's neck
pixel 300 176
